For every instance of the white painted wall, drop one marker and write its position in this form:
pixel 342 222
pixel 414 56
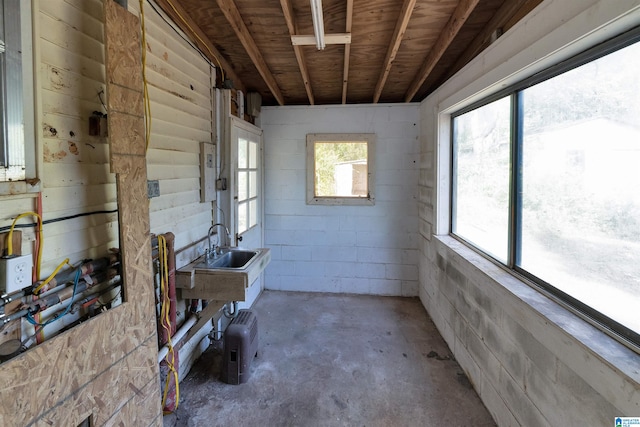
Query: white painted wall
pixel 532 362
pixel 353 249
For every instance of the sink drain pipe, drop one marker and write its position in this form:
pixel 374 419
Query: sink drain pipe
pixel 231 314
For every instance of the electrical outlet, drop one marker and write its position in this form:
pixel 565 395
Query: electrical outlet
pixel 15 273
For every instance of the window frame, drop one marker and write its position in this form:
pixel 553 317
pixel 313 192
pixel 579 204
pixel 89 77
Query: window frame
pixel 312 139
pixel 613 328
pixel 23 105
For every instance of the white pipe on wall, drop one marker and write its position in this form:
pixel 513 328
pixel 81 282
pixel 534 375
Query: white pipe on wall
pixel 177 337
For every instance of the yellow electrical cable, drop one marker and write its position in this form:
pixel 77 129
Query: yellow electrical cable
pixel 48 279
pixel 145 88
pixel 197 36
pixel 165 321
pixel 10 239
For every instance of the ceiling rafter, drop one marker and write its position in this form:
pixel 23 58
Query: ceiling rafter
pixel 186 23
pixel 501 17
pixel 392 51
pixel 457 20
pixel 347 52
pixel 234 18
pixel 289 17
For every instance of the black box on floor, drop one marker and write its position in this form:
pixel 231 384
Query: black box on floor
pixel 240 347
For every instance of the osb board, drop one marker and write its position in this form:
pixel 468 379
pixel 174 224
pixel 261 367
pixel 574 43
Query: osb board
pixel 123 99
pixel 126 134
pixel 140 410
pixel 41 380
pixel 135 374
pixel 134 217
pixel 122 46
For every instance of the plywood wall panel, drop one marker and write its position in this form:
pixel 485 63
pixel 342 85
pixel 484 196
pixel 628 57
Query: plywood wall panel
pixel 40 380
pixel 133 373
pixel 123 49
pixel 126 134
pixel 139 410
pixel 129 101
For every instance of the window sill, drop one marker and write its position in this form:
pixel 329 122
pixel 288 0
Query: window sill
pixel 600 345
pixel 16 188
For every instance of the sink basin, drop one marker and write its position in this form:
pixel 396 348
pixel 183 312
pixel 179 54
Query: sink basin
pixel 225 278
pixel 236 258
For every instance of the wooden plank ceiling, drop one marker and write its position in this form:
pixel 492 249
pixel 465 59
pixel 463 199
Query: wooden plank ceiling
pixel 400 50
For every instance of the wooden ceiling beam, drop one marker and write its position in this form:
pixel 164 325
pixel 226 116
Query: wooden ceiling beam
pixel 310 39
pixel 347 52
pixel 499 20
pixel 457 20
pixel 186 23
pixel 234 18
pixel 392 51
pixel 289 17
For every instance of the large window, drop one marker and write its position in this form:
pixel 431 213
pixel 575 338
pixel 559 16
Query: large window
pixel 546 180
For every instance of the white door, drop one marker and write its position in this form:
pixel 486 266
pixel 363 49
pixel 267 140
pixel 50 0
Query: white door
pixel 246 176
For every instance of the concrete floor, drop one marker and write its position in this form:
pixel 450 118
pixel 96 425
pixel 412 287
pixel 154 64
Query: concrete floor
pixel 336 360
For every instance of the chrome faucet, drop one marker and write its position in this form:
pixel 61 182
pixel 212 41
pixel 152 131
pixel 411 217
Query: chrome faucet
pixel 212 253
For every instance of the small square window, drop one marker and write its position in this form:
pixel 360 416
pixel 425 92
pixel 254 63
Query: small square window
pixel 340 168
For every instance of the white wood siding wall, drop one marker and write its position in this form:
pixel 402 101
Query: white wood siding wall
pixel 180 83
pixel 75 166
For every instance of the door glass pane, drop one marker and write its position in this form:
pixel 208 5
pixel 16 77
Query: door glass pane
pixel 253 184
pixel 253 155
pixel 242 153
pixel 242 217
pixel 253 212
pixel 581 181
pixel 481 177
pixel 242 185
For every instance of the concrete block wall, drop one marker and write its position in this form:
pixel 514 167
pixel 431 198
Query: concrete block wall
pixel 352 249
pixel 532 361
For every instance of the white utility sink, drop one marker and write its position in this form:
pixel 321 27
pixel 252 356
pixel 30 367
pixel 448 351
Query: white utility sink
pixel 224 278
